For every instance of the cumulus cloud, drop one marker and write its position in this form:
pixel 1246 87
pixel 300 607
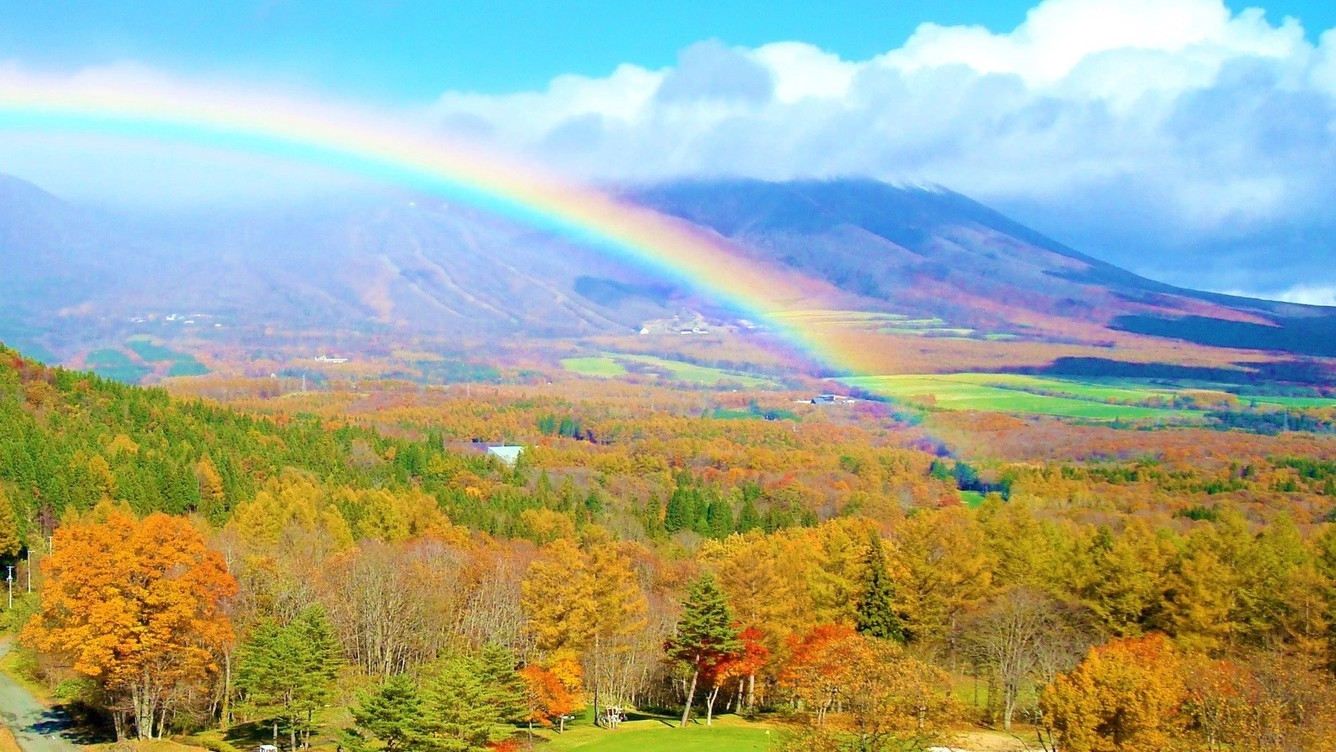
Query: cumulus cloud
pixel 1183 118
pixel 1175 137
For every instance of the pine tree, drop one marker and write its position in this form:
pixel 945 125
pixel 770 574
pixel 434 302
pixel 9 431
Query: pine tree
pixel 705 634
pixel 719 518
pixel 392 714
pixel 496 668
pixel 290 670
pixel 749 518
pixel 678 515
pixel 461 706
pixel 876 608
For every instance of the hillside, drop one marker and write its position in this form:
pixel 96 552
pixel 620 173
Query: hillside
pixel 933 252
pixel 387 268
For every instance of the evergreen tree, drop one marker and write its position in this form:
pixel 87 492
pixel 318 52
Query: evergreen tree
pixel 719 518
pixel 876 607
pixel 679 514
pixel 705 635
pixel 393 715
pixel 505 688
pixel 463 710
pixel 290 670
pixel 749 518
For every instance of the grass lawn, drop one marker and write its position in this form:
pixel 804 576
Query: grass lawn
pixel 116 365
pixel 612 365
pixel 1002 393
pixel 601 366
pixel 153 353
pixel 728 734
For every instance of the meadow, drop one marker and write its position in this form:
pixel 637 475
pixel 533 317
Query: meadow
pixel 613 365
pixel 727 734
pixel 1112 399
pixel 995 393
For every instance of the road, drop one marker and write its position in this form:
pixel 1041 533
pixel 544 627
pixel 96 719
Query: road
pixel 38 728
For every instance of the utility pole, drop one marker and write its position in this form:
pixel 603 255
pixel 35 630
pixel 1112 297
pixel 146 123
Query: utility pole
pixel 10 580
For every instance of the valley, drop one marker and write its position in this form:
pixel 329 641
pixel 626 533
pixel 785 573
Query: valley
pixel 947 425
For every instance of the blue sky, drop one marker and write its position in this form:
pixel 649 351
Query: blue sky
pixel 395 50
pixel 1193 141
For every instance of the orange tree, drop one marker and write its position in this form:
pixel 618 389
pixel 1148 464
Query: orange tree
pixel 136 606
pixel 1127 695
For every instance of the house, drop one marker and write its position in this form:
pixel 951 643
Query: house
pixel 507 454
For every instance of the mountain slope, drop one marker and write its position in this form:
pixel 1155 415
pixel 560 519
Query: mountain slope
pixel 402 264
pixel 935 252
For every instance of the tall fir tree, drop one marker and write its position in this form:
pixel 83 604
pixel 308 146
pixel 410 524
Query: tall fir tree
pixel 289 671
pixel 876 605
pixel 390 718
pixel 705 635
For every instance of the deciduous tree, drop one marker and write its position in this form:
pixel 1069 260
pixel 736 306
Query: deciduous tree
pixel 137 607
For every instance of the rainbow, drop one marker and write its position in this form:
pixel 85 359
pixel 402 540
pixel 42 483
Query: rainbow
pixel 387 149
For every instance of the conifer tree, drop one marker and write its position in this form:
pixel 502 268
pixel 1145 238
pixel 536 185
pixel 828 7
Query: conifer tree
pixel 749 518
pixel 392 714
pixel 705 635
pixel 289 671
pixel 876 607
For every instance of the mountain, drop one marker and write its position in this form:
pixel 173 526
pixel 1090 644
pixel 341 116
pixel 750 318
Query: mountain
pixel 932 252
pixel 403 264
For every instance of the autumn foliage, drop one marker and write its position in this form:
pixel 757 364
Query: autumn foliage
pixel 136 606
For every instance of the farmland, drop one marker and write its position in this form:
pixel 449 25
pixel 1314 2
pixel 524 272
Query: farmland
pixel 1093 400
pixel 612 365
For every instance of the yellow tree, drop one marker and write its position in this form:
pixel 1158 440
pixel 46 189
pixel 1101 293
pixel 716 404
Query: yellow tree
pixel 620 609
pixel 136 606
pixel 1126 695
pixel 559 595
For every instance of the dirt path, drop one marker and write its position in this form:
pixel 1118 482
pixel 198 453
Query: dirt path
pixel 37 727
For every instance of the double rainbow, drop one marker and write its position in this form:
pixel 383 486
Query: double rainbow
pixel 388 150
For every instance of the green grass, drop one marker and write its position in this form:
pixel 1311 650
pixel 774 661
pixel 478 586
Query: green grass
pixel 1079 389
pixel 116 365
pixel 612 365
pixel 971 499
pixel 679 371
pixel 183 364
pixel 600 366
pixel 153 353
pixel 728 734
pixel 190 367
pixel 1003 393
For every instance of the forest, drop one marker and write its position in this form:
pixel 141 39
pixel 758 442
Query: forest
pixel 347 568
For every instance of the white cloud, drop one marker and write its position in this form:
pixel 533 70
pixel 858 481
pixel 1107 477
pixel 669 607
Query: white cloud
pixel 1162 125
pixel 1309 295
pixel 1181 122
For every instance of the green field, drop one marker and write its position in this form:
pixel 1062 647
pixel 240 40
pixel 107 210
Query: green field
pixel 728 734
pixel 611 365
pixel 1006 393
pixel 600 366
pixel 1111 399
pixel 116 365
pixel 183 364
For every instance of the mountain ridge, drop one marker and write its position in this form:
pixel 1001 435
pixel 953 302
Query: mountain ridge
pixel 404 264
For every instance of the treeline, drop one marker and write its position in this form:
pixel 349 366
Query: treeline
pixel 339 553
pixel 848 628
